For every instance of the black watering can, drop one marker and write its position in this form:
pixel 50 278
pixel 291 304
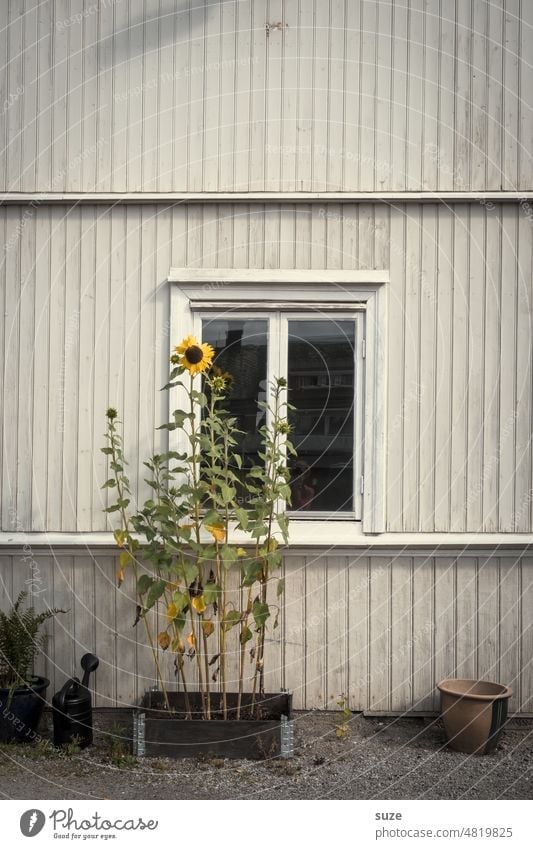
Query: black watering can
pixel 73 719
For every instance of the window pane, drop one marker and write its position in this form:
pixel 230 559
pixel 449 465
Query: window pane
pixel 241 350
pixel 321 387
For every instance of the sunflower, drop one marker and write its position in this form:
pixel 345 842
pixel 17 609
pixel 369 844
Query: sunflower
pixel 196 357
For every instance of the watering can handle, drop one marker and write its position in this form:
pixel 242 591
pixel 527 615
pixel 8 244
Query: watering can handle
pixel 64 691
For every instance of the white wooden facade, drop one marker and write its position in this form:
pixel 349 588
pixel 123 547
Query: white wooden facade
pixel 295 98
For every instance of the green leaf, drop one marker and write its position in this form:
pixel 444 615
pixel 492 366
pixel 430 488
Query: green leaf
pixel 283 523
pixel 280 587
pixel 230 619
pixel 251 573
pixel 245 635
pixel 190 572
pixel 109 483
pixel 106 450
pixel 156 591
pixel 213 517
pixel 112 509
pixel 229 555
pixel 144 583
pixel 227 493
pixel 260 612
pixel 242 517
pixel 211 593
pixel 181 600
pixel 180 416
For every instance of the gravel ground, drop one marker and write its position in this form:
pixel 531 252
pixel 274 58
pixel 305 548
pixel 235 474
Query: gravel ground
pixel 375 759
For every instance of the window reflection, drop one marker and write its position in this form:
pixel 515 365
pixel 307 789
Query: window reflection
pixel 321 387
pixel 241 351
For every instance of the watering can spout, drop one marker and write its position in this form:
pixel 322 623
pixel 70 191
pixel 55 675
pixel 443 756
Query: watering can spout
pixel 89 663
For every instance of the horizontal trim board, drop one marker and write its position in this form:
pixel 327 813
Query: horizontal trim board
pixel 394 542
pixel 274 275
pixel 269 306
pixel 39 198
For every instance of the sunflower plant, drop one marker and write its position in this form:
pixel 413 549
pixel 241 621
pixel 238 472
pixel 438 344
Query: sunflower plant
pixel 196 538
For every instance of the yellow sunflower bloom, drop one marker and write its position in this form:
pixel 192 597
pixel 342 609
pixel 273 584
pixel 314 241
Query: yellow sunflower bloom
pixel 196 357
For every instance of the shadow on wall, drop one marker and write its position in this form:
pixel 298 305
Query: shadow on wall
pixel 177 22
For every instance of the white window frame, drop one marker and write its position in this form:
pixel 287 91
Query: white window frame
pixel 194 292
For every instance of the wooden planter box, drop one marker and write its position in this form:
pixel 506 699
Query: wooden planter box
pixel 158 734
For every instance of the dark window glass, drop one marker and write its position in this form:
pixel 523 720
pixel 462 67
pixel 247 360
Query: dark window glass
pixel 321 387
pixel 241 351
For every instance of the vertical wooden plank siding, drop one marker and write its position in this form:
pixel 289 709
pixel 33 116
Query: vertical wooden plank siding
pixel 302 96
pixel 89 287
pixel 382 631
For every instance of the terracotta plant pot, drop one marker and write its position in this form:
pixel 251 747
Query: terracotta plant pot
pixel 474 713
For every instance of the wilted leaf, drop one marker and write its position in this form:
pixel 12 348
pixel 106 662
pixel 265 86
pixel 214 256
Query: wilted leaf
pixel 138 614
pixel 199 604
pixel 125 559
pixel 164 640
pixel 177 645
pixel 207 628
pixel 120 577
pixel 172 612
pixel 191 640
pixel 120 537
pixel 218 532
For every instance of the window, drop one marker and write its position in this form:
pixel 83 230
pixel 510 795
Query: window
pixel 317 330
pixel 321 358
